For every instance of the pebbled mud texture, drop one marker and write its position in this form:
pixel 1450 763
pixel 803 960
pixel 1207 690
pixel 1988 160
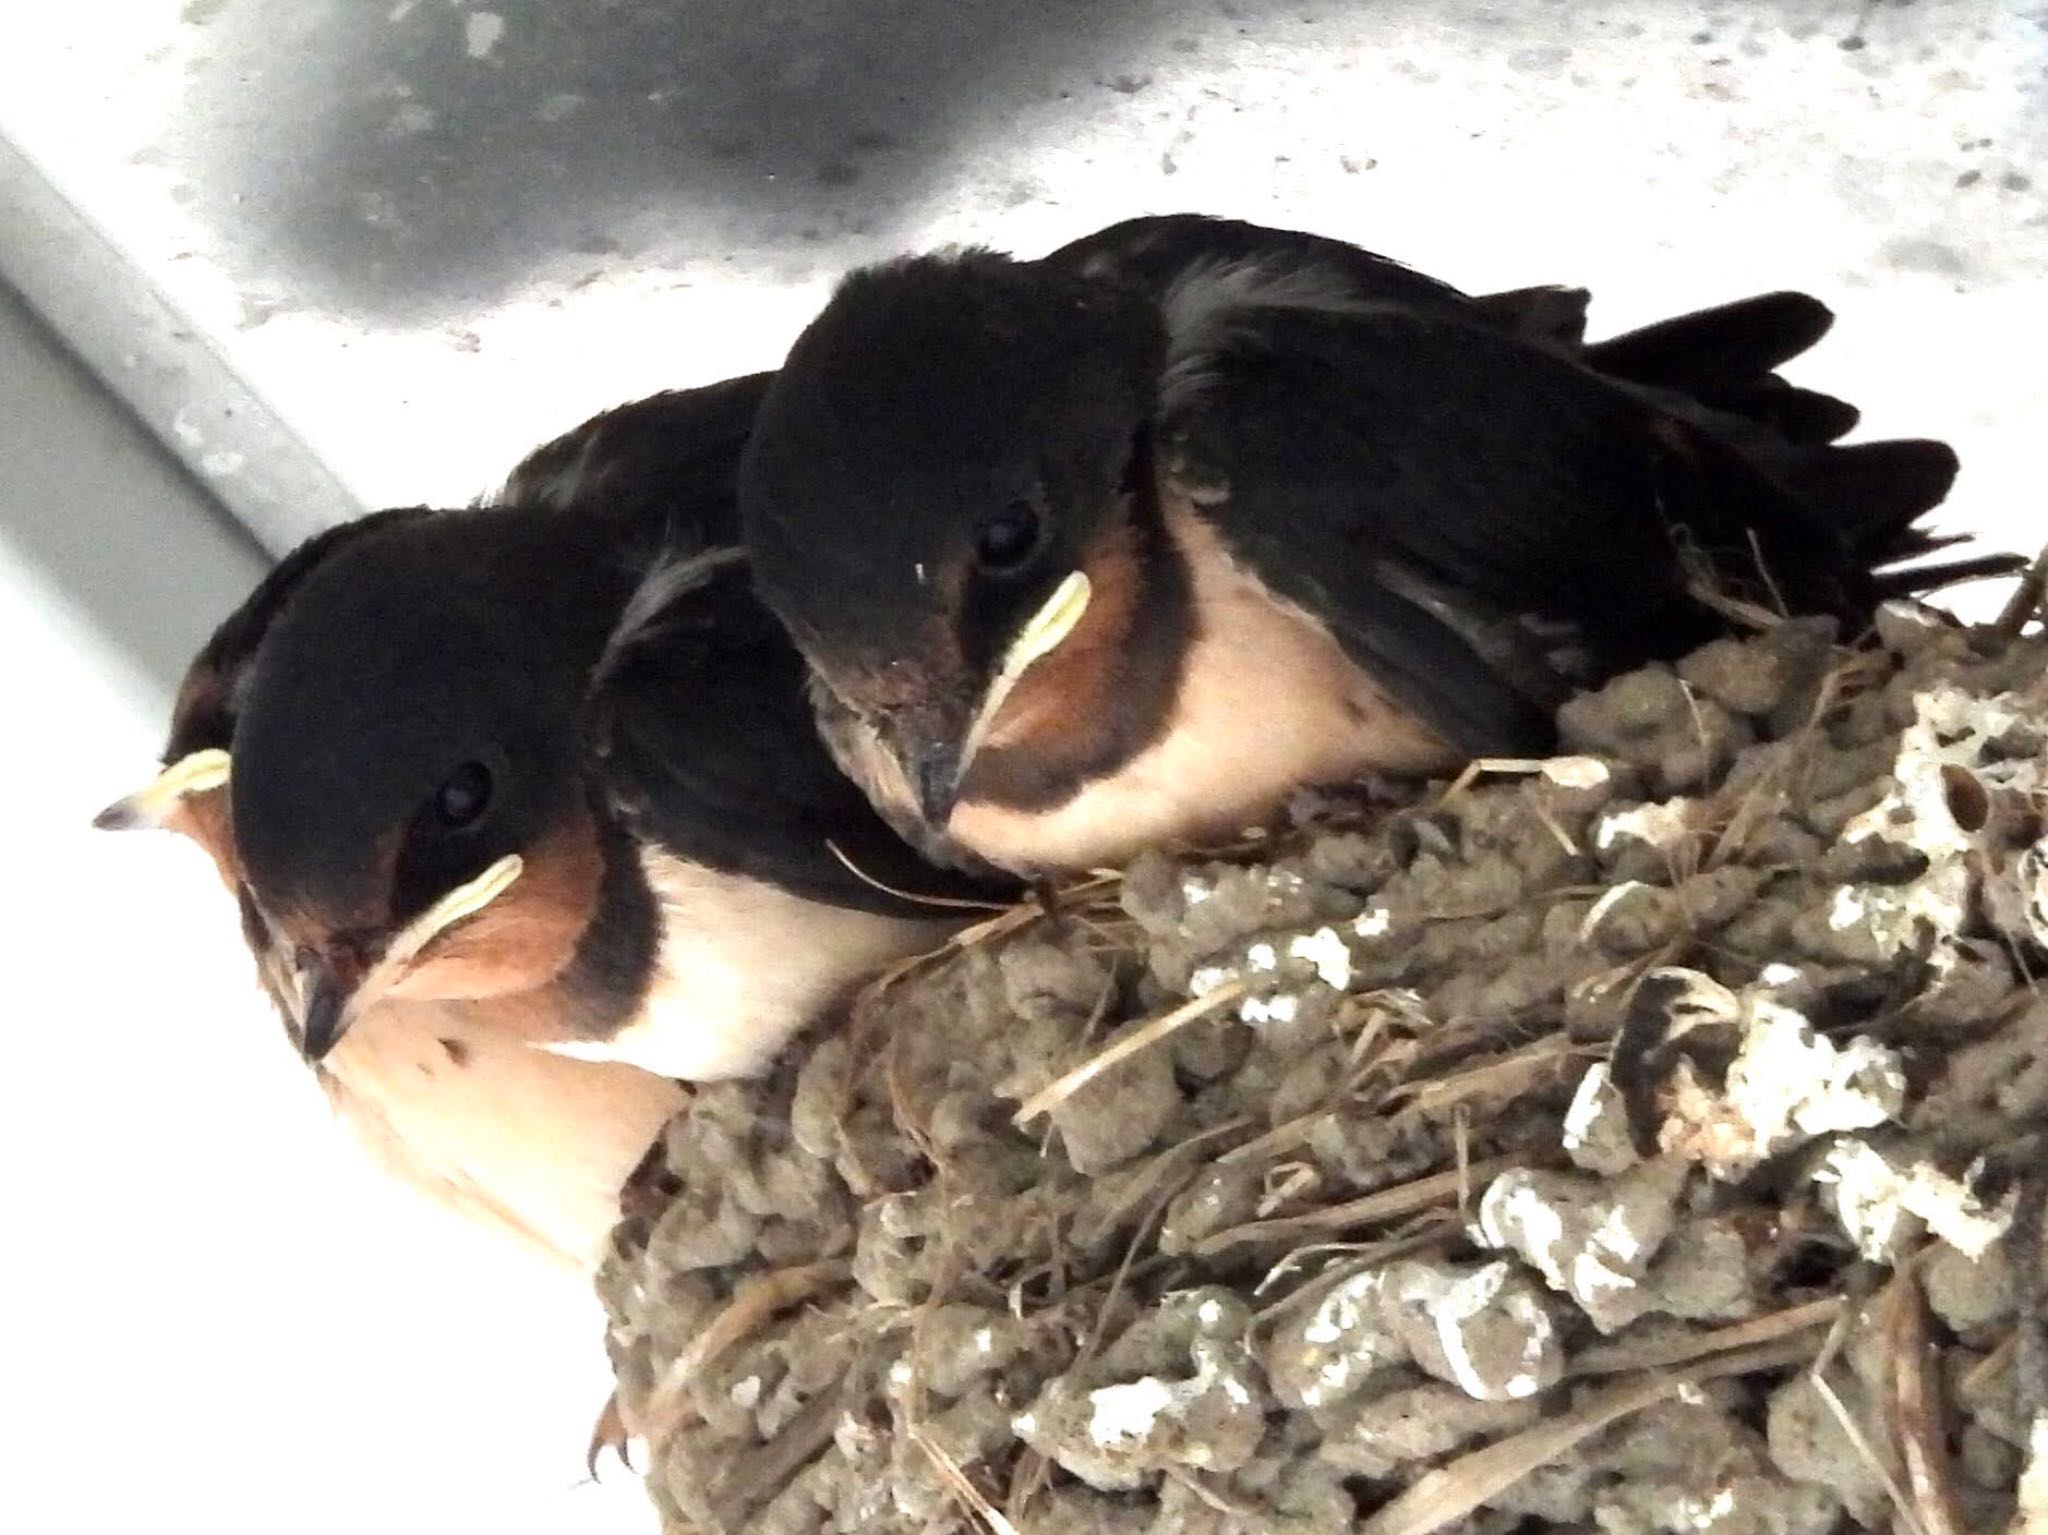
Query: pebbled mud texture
pixel 1643 1142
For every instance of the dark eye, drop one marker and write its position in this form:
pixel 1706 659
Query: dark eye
pixel 463 796
pixel 1008 538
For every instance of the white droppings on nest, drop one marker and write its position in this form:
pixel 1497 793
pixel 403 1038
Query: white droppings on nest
pixel 1590 1104
pixel 1129 1410
pixel 1877 1201
pixel 1950 728
pixel 1613 897
pixel 1194 890
pixel 1277 1009
pixel 1112 1436
pixel 1326 951
pixel 1894 916
pixel 1323 949
pixel 1453 1305
pixel 1664 825
pixel 1335 1375
pixel 1343 1309
pixel 1577 772
pixel 1790 1078
pixel 1513 1212
pixel 1589 1240
pixel 746 1393
pixel 1848 908
pixel 1373 922
pixel 1537 1351
pixel 1595 1133
pixel 1591 1274
pixel 1787 1085
pixel 1695 1513
pixel 1337 1347
pixel 1493 1339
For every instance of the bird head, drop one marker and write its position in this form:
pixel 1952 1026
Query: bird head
pixel 408 809
pixel 937 503
pixel 190 794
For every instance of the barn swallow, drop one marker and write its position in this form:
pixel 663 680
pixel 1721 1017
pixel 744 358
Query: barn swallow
pixel 526 814
pixel 516 1138
pixel 1123 545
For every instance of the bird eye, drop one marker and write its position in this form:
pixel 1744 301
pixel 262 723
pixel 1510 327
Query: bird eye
pixel 463 796
pixel 1008 538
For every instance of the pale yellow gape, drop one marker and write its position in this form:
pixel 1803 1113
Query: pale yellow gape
pixel 1045 632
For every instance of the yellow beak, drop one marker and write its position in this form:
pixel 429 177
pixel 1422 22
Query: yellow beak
pixel 152 805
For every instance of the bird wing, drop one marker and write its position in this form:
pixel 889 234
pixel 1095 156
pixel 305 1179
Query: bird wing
pixel 1722 358
pixel 699 728
pixel 1157 251
pixel 663 464
pixel 1484 522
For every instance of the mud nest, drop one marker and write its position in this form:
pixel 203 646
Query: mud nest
pixel 1645 1141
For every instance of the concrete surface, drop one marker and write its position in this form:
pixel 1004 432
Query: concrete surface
pixel 425 234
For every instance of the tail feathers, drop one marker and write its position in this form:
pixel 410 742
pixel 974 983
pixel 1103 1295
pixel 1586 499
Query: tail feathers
pixel 1874 492
pixel 1549 316
pixel 1795 414
pixel 1824 518
pixel 1817 529
pixel 1918 580
pixel 1721 362
pixel 1806 529
pixel 1730 345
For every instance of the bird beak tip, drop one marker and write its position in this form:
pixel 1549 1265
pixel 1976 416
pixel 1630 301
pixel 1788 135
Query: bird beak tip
pixel 935 776
pixel 122 815
pixel 152 805
pixel 325 1018
pixel 315 1045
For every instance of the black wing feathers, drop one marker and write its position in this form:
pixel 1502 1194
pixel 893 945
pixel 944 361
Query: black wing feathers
pixel 1154 252
pixel 662 465
pixel 702 733
pixel 1494 515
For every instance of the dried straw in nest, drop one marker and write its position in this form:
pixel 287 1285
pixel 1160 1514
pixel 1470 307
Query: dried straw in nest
pixel 1640 1141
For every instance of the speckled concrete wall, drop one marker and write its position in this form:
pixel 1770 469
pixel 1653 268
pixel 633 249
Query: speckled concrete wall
pixel 422 235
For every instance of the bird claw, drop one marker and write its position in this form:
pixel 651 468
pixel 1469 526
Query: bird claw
pixel 610 1433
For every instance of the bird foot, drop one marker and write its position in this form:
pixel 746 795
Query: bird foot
pixel 610 1433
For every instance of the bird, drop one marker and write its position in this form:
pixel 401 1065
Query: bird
pixel 528 821
pixel 1123 545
